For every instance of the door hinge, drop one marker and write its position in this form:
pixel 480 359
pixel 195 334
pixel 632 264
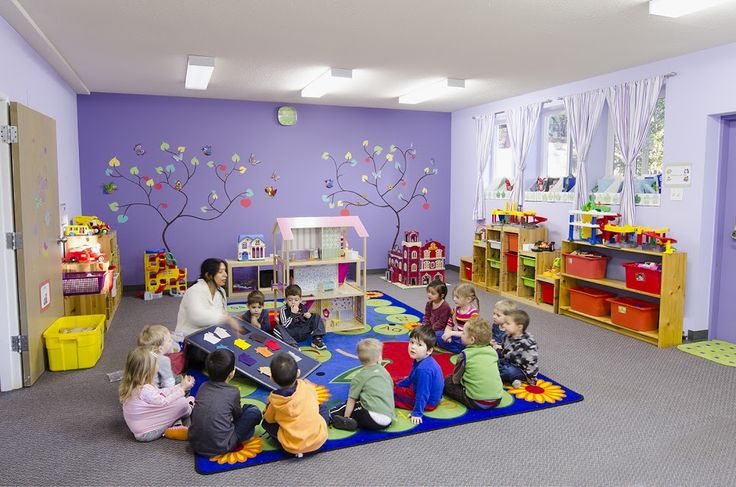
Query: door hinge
pixel 9 134
pixel 19 343
pixel 14 241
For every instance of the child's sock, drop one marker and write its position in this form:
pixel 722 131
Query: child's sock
pixel 177 433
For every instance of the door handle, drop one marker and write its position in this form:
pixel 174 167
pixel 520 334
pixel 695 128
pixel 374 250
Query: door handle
pixel 63 239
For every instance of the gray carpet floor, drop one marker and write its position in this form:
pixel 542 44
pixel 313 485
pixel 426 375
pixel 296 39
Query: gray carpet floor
pixel 650 417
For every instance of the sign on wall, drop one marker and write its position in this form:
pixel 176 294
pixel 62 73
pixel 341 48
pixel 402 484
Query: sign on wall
pixel 677 175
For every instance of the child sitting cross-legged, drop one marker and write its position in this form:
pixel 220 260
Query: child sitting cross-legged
pixel 293 415
pixel 255 315
pixel 157 338
pixel 499 316
pixel 437 312
pixel 476 383
pixel 464 296
pixel 219 424
pixel 518 356
pixel 370 403
pixel 422 390
pixel 296 323
pixel 151 412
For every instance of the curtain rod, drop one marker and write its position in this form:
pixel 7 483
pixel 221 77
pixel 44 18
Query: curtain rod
pixel 668 75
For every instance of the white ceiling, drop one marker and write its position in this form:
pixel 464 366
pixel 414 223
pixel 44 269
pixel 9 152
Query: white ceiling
pixel 269 50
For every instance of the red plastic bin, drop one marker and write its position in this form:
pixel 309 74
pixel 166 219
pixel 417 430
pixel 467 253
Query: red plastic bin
pixel 513 240
pixel 590 301
pixel 512 261
pixel 548 292
pixel 634 313
pixel 468 270
pixel 643 278
pixel 589 266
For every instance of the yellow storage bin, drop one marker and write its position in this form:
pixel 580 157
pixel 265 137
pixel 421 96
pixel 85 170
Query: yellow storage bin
pixel 75 342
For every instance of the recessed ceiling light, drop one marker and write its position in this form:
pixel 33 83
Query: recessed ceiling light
pixel 326 82
pixel 432 90
pixel 678 8
pixel 199 72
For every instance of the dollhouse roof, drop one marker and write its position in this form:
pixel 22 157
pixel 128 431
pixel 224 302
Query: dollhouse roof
pixel 286 225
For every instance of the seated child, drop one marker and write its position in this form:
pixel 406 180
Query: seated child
pixel 149 411
pixel 219 424
pixel 158 339
pixel 499 310
pixel 437 312
pixel 518 356
pixel 296 323
pixel 370 403
pixel 476 382
pixel 464 297
pixel 255 315
pixel 422 390
pixel 293 415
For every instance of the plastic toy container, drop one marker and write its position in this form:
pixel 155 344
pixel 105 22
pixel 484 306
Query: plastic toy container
pixel 93 282
pixel 529 261
pixel 588 266
pixel 495 244
pixel 513 240
pixel 644 279
pixel 548 292
pixel 75 342
pixel 590 301
pixel 512 261
pixel 634 313
pixel 495 263
pixel 528 282
pixel 468 270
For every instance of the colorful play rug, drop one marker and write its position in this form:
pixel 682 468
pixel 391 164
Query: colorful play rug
pixel 390 321
pixel 717 351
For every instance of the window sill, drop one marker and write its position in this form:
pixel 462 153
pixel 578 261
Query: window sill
pixel 643 199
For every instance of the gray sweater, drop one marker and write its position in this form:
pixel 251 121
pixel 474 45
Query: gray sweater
pixel 212 431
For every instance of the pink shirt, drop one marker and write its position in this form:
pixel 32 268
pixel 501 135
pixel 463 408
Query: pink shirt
pixel 457 319
pixel 151 408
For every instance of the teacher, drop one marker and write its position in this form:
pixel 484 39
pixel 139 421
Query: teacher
pixel 204 304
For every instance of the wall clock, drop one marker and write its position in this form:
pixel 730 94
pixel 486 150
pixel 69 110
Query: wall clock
pixel 287 115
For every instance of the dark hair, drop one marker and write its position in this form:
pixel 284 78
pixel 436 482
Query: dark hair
pixel 210 267
pixel 219 364
pixel 438 286
pixel 519 317
pixel 284 369
pixel 256 297
pixel 293 290
pixel 424 334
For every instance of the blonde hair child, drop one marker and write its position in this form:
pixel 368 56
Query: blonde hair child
pixel 149 411
pixel 158 339
pixel 500 309
pixel 464 297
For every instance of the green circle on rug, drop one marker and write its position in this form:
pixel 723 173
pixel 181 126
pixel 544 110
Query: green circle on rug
pixel 447 409
pixel 336 434
pixel 237 308
pixel 404 318
pixel 269 305
pixel 366 328
pixel 401 423
pixel 390 330
pixel 269 444
pixel 389 310
pixel 245 386
pixel 506 400
pixel 319 355
pixel 378 302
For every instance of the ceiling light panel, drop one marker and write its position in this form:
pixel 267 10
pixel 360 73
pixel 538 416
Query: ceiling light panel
pixel 199 72
pixel 433 90
pixel 678 8
pixel 327 82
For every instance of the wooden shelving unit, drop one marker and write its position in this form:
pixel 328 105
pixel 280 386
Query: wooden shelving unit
pixel 671 298
pixel 244 276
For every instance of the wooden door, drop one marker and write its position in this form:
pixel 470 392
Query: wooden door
pixel 36 209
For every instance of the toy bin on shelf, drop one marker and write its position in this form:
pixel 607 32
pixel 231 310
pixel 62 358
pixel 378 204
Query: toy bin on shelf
pixel 495 263
pixel 512 261
pixel 75 342
pixel 495 244
pixel 529 282
pixel 591 266
pixel 643 278
pixel 468 270
pixel 590 301
pixel 634 313
pixel 548 292
pixel 513 241
pixel 93 282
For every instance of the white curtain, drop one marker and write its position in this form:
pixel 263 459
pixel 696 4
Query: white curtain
pixel 521 123
pixel 632 106
pixel 483 145
pixel 583 113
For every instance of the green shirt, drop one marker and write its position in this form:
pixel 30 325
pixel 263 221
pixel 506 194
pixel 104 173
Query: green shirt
pixel 481 378
pixel 373 387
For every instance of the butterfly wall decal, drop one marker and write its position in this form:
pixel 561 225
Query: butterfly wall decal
pixel 329 183
pixel 252 160
pixel 275 176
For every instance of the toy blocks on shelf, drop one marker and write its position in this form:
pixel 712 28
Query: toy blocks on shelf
pixel 515 216
pixel 251 247
pixel 590 224
pixel 162 274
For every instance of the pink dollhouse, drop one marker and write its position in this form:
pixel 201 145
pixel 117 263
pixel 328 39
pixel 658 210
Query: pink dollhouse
pixel 415 263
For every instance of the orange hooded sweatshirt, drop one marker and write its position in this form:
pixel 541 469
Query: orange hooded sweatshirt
pixel 301 428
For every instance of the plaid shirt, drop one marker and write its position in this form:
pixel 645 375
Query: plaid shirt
pixel 522 352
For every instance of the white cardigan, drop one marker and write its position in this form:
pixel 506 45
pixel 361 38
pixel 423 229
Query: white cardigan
pixel 199 309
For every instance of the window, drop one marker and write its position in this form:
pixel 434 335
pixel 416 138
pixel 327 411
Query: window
pixel 556 145
pixel 503 164
pixel 652 154
pixel 413 267
pixel 413 254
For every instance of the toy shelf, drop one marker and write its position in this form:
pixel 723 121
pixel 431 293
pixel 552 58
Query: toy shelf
pixel 671 298
pixel 244 276
pixel 466 269
pixel 343 260
pixel 346 290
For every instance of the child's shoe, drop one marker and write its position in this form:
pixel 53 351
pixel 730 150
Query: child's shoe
pixel 319 343
pixel 343 423
pixel 177 433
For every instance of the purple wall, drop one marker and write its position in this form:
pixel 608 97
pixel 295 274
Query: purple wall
pixel 111 125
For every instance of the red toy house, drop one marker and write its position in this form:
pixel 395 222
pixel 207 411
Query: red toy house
pixel 414 263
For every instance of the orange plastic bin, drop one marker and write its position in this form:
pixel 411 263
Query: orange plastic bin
pixel 634 313
pixel 590 301
pixel 591 266
pixel 513 240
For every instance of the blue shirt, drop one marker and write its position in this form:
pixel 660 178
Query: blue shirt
pixel 427 381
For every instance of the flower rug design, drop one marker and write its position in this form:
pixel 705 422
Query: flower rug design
pixel 390 321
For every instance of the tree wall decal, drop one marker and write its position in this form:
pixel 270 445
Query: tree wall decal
pixel 159 189
pixel 393 168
